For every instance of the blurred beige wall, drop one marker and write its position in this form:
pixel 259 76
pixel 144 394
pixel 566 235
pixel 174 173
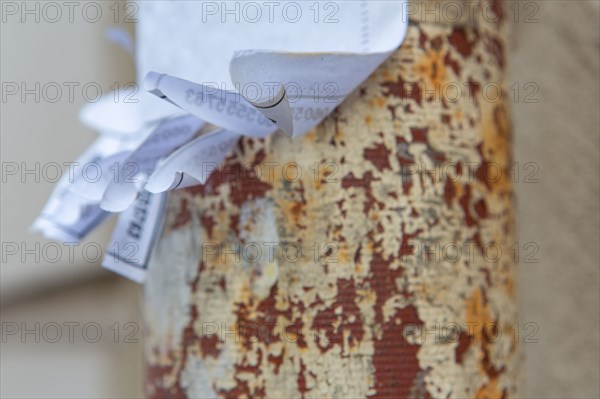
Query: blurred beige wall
pixel 560 213
pixel 36 133
pixel 69 290
pixel 98 353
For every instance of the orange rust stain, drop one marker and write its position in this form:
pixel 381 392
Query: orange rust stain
pixel 339 134
pixel 478 314
pixel 311 135
pixel 341 257
pixel 293 210
pixel 433 70
pixel 458 115
pixel 358 268
pixel 386 74
pixel 489 391
pixel 378 102
pixel 495 145
pixel 510 285
pixel 495 129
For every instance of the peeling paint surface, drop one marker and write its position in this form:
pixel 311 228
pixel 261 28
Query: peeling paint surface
pixel 383 282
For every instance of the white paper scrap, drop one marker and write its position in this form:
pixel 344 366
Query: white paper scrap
pixel 134 235
pixel 66 215
pixel 292 61
pixel 123 112
pixel 132 170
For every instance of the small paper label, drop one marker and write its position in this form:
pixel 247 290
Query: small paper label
pixel 134 235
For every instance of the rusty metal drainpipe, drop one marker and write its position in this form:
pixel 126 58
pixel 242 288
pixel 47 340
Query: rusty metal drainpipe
pixel 370 258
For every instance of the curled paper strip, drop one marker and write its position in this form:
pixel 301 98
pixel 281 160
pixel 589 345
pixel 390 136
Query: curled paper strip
pixel 192 163
pixel 244 77
pixel 225 109
pixel 128 182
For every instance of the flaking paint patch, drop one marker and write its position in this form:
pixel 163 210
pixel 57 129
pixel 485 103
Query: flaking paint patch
pixel 168 297
pixel 259 237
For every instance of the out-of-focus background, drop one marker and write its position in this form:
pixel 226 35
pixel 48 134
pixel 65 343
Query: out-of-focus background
pixel 40 283
pixel 557 50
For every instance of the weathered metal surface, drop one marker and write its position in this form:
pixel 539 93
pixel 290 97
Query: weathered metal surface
pixel 397 291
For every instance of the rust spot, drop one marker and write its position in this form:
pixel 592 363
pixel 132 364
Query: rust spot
pixel 208 223
pixel 347 320
pixel 436 44
pixel 464 340
pixel 351 181
pixel 210 345
pixel 496 48
pixel 478 315
pixel 419 135
pixel 276 361
pixel 405 247
pixel 403 90
pixel 422 38
pixel 183 215
pixel 392 110
pixel 302 380
pixel 458 40
pixel 365 182
pixel 465 203
pixel 157 388
pixel 223 284
pixel 404 157
pixel 378 155
pixel 395 359
pixel 485 167
pixel 481 209
pixel 433 69
pixel 452 63
pixel 234 223
pixel 340 205
pixel 241 390
pixel 260 325
pixel 247 189
pixel 449 192
pixel 378 102
pixel 158 377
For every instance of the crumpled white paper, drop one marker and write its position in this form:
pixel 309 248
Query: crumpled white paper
pixel 246 68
